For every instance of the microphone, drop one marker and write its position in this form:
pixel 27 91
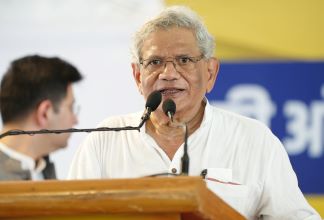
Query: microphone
pixel 169 108
pixel 153 101
pixel 185 156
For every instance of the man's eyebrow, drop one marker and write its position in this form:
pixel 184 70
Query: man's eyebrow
pixel 184 55
pixel 154 57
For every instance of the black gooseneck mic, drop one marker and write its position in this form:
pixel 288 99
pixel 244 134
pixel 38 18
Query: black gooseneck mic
pixel 169 108
pixel 152 102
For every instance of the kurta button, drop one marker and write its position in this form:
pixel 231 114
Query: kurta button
pixel 174 170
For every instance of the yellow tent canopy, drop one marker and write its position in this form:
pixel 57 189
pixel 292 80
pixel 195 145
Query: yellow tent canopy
pixel 255 29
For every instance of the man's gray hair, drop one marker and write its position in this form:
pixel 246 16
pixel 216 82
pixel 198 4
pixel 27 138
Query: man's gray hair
pixel 175 16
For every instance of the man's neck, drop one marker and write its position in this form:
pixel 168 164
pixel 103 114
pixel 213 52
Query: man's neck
pixel 24 144
pixel 170 135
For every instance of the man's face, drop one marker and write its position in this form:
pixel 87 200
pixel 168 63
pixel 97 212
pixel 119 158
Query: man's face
pixel 186 88
pixel 63 118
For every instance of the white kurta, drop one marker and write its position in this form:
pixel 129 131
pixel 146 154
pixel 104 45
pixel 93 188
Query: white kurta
pixel 246 164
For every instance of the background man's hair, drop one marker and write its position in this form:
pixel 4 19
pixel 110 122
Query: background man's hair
pixel 32 79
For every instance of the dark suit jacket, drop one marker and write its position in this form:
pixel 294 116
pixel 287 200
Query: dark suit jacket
pixel 10 169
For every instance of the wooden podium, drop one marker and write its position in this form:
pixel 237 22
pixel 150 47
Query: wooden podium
pixel 142 198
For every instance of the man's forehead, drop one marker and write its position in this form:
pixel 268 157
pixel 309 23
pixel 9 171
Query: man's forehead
pixel 170 42
pixel 69 94
pixel 175 33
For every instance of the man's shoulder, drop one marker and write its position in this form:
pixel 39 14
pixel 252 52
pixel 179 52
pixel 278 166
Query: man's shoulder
pixel 231 119
pixel 10 169
pixel 130 119
pixel 248 133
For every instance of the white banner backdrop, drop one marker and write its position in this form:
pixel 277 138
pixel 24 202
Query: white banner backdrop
pixel 94 35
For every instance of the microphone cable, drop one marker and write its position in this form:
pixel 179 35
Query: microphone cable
pixel 153 101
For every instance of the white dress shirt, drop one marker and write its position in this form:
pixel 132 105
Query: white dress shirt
pixel 247 166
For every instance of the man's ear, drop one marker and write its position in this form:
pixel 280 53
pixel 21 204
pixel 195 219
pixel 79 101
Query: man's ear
pixel 213 68
pixel 137 76
pixel 43 113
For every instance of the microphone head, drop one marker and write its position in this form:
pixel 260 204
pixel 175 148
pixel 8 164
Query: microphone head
pixel 153 100
pixel 169 107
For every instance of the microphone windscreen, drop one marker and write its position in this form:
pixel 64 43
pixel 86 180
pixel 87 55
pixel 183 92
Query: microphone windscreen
pixel 169 106
pixel 153 100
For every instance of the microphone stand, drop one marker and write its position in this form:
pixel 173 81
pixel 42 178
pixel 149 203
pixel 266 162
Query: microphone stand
pixel 185 157
pixel 145 117
pixel 169 108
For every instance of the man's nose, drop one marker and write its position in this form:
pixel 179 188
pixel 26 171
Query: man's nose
pixel 170 61
pixel 170 71
pixel 75 119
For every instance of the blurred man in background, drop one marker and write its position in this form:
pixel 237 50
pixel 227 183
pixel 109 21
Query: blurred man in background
pixel 36 93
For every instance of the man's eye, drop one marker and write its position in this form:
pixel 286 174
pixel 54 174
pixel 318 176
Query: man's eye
pixel 154 62
pixel 184 60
